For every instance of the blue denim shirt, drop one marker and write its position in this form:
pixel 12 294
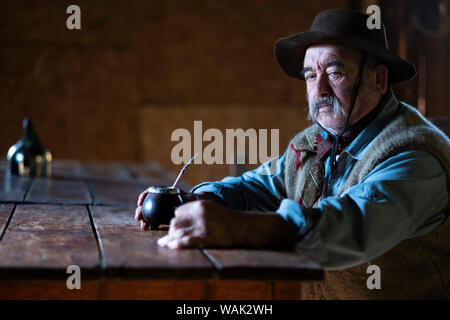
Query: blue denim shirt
pixel 404 196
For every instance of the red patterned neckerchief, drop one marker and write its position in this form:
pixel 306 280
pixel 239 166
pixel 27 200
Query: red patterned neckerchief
pixel 325 140
pixel 325 143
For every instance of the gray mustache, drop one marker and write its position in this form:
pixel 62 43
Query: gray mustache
pixel 318 102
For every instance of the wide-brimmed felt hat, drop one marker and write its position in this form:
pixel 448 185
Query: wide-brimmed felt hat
pixel 342 27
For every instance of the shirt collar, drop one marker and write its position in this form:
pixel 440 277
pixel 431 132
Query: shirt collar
pixel 371 131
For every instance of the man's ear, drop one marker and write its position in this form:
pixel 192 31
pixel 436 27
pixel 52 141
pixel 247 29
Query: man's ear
pixel 381 72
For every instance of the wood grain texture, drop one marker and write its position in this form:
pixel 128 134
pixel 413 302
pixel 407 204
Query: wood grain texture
pixel 239 289
pixel 121 184
pixel 13 188
pixel 253 290
pixel 130 251
pixel 115 192
pixel 45 239
pixel 59 191
pixel 263 264
pixel 106 171
pixel 286 290
pixel 117 289
pixel 112 184
pixel 5 212
pixel 150 170
pixel 37 289
pixel 67 169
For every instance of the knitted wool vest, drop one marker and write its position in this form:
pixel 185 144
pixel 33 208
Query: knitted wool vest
pixel 415 268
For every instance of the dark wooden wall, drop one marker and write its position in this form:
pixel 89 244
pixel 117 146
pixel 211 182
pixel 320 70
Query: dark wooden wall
pixel 107 91
pixel 420 32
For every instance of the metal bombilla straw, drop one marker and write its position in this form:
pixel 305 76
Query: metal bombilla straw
pixel 184 169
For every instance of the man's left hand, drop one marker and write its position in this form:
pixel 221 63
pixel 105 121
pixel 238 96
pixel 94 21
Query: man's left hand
pixel 204 224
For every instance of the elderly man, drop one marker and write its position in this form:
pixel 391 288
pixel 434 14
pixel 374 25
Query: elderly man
pixel 366 184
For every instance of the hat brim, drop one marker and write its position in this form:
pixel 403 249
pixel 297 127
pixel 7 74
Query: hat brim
pixel 290 52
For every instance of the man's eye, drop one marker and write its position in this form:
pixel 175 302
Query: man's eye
pixel 309 77
pixel 335 74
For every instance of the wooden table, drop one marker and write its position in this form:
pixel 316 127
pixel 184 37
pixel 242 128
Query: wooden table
pixel 84 216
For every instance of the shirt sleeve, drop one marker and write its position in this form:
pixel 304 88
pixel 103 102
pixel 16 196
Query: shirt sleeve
pixel 403 197
pixel 261 189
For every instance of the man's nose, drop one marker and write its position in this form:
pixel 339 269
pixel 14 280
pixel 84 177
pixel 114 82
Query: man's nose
pixel 322 87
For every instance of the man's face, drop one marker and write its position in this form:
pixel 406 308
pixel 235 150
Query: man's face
pixel 330 71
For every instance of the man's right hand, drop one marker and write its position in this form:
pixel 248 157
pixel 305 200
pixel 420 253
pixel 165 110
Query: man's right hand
pixel 138 212
pixel 186 196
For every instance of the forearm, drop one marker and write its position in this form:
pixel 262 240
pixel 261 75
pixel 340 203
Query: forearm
pixel 257 190
pixel 255 229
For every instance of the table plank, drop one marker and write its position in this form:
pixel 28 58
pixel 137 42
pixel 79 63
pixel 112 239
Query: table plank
pixel 5 212
pixel 153 289
pixel 106 171
pixel 131 251
pixel 59 191
pixel 46 239
pixel 152 170
pixel 67 169
pixel 13 188
pixel 115 193
pixel 112 184
pixel 263 264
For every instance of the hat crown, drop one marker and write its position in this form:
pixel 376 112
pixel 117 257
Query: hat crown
pixel 349 23
pixel 345 27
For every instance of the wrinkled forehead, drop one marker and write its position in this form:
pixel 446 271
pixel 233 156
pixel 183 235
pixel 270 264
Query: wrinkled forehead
pixel 323 53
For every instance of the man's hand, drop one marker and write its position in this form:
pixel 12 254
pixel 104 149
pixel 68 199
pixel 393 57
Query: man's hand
pixel 204 224
pixel 208 224
pixel 186 196
pixel 138 212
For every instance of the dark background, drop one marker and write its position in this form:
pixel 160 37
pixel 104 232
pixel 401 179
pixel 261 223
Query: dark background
pixel 139 69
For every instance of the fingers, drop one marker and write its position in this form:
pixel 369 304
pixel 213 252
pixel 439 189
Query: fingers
pixel 177 223
pixel 144 225
pixel 187 228
pixel 138 214
pixel 141 198
pixel 138 217
pixel 138 211
pixel 179 238
pixel 187 241
pixel 179 233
